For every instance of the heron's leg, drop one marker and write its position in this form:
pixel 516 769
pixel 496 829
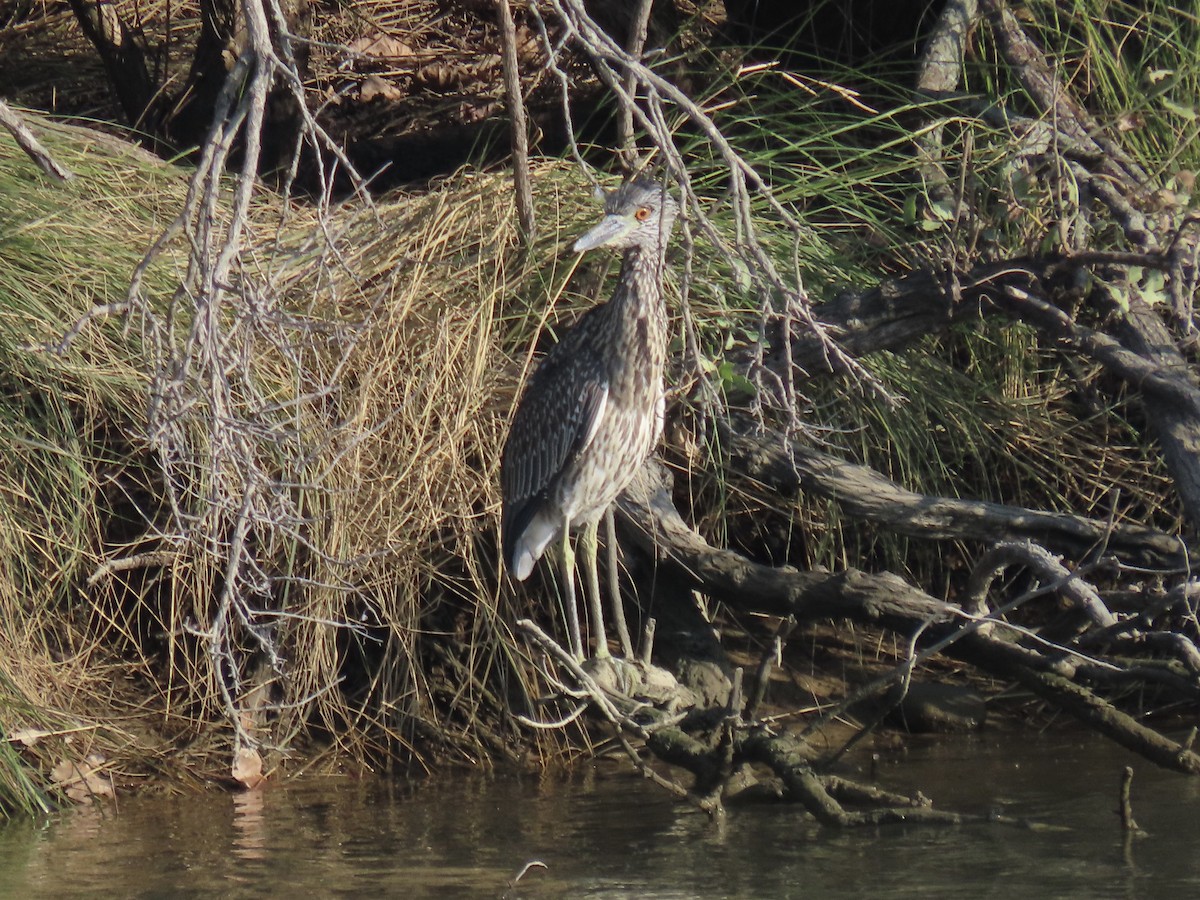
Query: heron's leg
pixel 614 584
pixel 587 542
pixel 568 580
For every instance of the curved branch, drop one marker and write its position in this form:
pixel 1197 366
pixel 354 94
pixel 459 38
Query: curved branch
pixel 866 494
pixel 646 507
pixel 1046 568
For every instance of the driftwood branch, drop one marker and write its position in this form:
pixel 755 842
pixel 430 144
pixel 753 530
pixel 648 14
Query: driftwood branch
pixel 1083 704
pixel 1169 383
pixel 1052 671
pixel 649 513
pixel 824 796
pixel 866 494
pixel 712 745
pixel 1046 567
pixel 1143 354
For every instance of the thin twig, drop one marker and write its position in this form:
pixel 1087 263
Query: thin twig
pixel 517 118
pixel 31 145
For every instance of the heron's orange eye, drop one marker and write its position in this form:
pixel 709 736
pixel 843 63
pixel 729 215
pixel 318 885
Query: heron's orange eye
pixel 642 214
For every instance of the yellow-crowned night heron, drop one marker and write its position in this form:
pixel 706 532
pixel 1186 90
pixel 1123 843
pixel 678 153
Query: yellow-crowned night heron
pixel 593 410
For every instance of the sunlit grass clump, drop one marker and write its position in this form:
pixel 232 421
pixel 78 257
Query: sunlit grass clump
pixel 66 425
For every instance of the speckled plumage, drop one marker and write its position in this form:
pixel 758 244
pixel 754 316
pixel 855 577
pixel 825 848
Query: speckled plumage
pixel 592 412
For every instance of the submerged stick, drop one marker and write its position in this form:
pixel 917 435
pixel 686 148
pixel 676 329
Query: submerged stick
pixel 1127 822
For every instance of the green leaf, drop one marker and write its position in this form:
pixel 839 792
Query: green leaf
pixel 734 382
pixel 944 209
pixel 1154 287
pixel 1186 112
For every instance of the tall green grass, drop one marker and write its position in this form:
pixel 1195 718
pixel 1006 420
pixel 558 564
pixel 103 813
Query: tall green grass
pixel 985 411
pixel 68 422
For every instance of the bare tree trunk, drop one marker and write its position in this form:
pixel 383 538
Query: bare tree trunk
pixel 519 129
pixel 188 122
pixel 1176 426
pixel 124 60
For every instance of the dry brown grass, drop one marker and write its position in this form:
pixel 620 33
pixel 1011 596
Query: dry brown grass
pixel 410 325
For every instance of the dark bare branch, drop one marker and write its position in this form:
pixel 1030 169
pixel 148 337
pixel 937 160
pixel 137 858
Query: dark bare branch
pixel 646 507
pixel 865 493
pixel 1084 705
pixel 121 52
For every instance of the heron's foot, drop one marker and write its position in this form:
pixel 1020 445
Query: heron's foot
pixel 610 672
pixel 635 680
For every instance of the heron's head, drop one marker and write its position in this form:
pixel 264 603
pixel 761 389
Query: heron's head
pixel 640 213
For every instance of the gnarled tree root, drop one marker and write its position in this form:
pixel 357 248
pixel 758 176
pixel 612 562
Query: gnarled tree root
pixel 889 602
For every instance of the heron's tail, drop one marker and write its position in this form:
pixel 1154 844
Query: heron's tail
pixel 524 546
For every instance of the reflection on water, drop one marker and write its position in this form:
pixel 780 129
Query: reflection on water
pixel 609 834
pixel 249 826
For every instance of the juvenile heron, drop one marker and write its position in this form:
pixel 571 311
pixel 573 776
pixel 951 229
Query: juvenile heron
pixel 593 410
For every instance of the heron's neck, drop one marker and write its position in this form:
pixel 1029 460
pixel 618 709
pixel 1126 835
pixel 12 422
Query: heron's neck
pixel 641 278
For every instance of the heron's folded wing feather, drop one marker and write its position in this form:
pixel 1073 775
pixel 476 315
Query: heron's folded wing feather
pixel 557 419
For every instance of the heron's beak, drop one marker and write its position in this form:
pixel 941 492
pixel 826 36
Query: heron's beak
pixel 609 229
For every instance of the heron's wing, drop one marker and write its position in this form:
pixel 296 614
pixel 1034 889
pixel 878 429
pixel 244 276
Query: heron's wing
pixel 557 418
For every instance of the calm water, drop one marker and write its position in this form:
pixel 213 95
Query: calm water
pixel 608 834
